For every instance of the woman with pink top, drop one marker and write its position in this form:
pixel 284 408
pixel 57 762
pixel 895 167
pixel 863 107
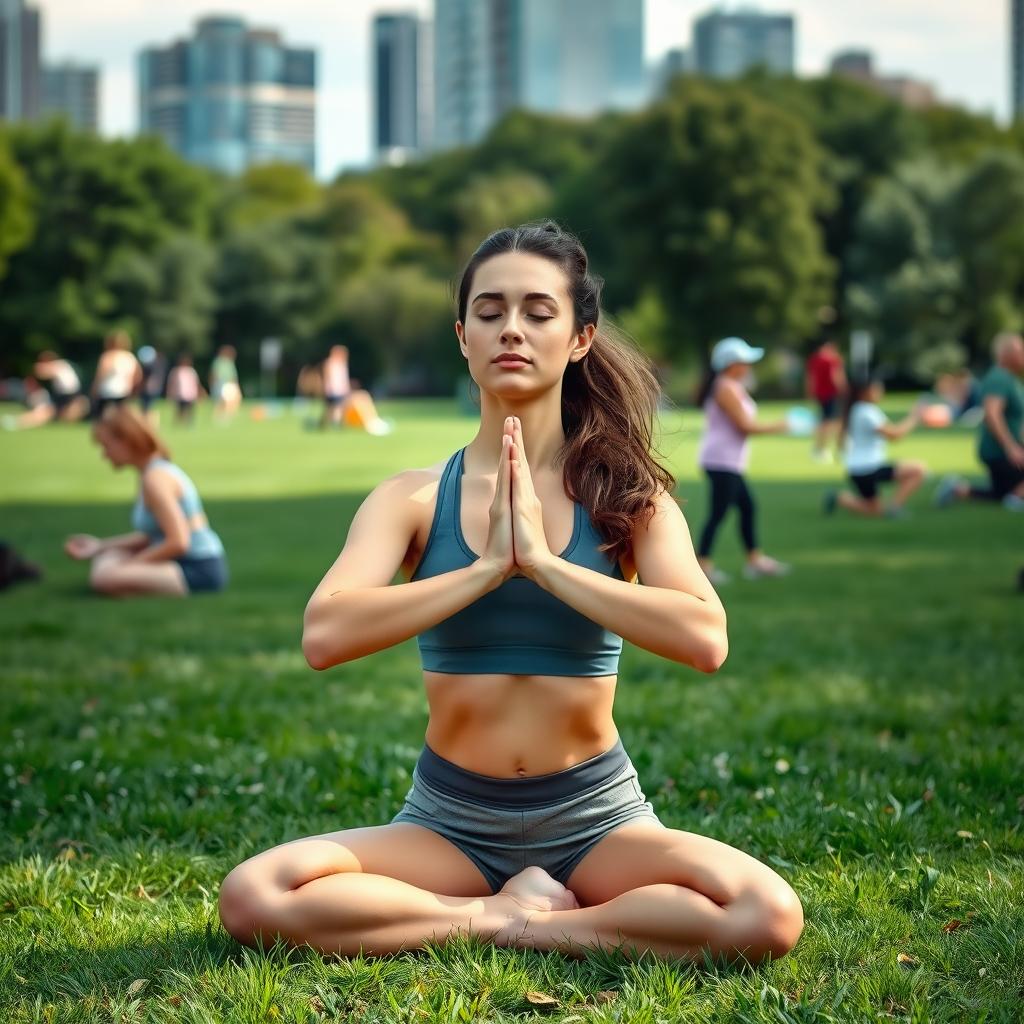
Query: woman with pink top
pixel 724 452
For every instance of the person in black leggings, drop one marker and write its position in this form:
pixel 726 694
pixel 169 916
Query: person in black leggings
pixel 730 418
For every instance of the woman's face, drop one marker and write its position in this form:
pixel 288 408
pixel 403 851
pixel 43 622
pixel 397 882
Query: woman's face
pixel 114 449
pixel 519 305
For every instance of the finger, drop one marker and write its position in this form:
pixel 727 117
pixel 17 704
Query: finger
pixel 518 427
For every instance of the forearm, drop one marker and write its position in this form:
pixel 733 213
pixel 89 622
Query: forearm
pixel 161 552
pixel 134 541
pixel 669 623
pixel 350 624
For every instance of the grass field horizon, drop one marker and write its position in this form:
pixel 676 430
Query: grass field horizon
pixel 863 738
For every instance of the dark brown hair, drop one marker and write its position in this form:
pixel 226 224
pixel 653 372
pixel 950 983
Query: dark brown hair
pixel 610 397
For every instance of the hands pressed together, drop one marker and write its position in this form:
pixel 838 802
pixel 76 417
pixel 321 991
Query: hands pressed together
pixel 516 543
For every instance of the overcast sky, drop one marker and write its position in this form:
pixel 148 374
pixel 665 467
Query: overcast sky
pixel 962 48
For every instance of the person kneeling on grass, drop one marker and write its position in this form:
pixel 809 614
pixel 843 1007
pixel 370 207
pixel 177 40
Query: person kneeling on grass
pixel 172 551
pixel 866 429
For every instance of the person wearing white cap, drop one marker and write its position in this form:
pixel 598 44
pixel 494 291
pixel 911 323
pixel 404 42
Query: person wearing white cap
pixel 731 417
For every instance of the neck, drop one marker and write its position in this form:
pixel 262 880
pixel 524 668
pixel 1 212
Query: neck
pixel 541 421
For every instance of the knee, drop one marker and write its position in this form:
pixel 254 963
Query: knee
pixel 242 906
pixel 102 578
pixel 782 921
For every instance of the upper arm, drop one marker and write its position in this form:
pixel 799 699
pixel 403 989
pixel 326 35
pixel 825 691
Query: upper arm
pixel 663 552
pixel 993 403
pixel 160 493
pixel 727 396
pixel 378 536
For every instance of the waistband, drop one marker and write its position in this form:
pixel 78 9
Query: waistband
pixel 534 790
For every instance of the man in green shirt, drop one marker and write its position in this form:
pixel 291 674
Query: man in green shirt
pixel 1000 441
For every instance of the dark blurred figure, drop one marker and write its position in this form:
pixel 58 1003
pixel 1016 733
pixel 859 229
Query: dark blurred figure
pixel 14 568
pixel 154 373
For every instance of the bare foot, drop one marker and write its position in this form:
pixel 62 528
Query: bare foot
pixel 522 896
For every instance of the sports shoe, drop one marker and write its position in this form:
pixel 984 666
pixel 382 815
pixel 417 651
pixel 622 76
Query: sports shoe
pixel 896 512
pixel 828 503
pixel 717 577
pixel 945 493
pixel 1013 502
pixel 378 427
pixel 765 566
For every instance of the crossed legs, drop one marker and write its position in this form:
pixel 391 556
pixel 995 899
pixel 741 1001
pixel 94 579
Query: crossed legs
pixel 386 888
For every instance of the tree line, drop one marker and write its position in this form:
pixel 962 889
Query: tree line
pixel 774 208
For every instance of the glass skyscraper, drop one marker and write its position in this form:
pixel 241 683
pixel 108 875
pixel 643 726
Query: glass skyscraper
pixel 397 86
pixel 73 91
pixel 557 56
pixel 725 44
pixel 20 76
pixel 231 97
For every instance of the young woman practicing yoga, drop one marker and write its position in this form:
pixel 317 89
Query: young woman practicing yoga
pixel 525 822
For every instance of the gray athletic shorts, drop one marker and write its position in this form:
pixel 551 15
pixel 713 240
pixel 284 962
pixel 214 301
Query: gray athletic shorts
pixel 505 825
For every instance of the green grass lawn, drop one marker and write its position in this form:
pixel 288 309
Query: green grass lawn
pixel 863 738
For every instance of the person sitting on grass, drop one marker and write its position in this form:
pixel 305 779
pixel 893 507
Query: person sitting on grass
pixel 525 823
pixel 172 550
pixel 866 429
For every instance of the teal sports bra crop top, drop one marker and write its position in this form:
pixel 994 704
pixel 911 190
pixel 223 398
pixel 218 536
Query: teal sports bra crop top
pixel 519 627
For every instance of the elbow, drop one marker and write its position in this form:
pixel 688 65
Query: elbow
pixel 714 649
pixel 712 656
pixel 314 653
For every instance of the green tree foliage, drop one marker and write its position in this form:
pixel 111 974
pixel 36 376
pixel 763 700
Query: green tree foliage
pixel 166 297
pixel 719 214
pixel 907 276
pixel 93 201
pixel 17 220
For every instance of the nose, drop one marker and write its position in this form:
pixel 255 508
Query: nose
pixel 512 331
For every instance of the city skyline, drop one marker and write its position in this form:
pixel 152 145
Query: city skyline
pixel 965 56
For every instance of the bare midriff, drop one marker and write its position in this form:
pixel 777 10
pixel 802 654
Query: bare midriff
pixel 515 726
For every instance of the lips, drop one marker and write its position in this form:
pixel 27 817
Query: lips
pixel 507 357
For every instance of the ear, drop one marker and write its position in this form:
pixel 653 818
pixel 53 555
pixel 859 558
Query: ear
pixel 460 332
pixel 583 342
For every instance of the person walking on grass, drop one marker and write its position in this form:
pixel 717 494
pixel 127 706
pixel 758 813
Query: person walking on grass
pixel 1000 440
pixel 730 418
pixel 171 551
pixel 825 382
pixel 866 429
pixel 525 823
pixel 184 389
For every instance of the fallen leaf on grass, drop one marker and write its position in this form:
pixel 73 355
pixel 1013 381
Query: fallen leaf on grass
pixel 906 961
pixel 137 986
pixel 541 999
pixel 606 996
pixel 964 834
pixel 141 894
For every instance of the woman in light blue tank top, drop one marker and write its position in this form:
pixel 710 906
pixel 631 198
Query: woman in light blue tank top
pixel 525 822
pixel 172 551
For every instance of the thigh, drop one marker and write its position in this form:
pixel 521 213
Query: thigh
pixel 645 853
pixel 119 576
pixel 402 850
pixel 723 489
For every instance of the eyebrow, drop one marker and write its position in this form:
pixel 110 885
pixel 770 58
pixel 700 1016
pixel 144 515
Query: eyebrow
pixel 528 297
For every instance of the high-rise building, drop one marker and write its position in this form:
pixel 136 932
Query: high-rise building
pixel 73 91
pixel 20 78
pixel 728 43
pixel 1017 57
pixel 557 56
pixel 859 65
pixel 231 96
pixel 397 74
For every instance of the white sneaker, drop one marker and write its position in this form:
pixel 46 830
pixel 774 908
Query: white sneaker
pixel 378 427
pixel 766 567
pixel 717 577
pixel 945 493
pixel 1014 503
